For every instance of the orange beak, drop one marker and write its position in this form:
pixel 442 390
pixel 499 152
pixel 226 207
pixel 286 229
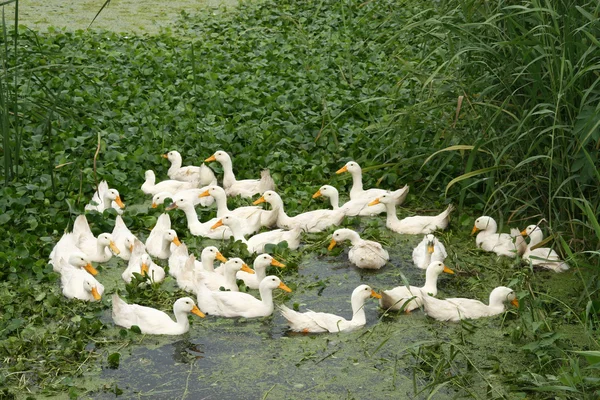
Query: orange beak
pixel 114 248
pixel 375 294
pixel 172 206
pixel 475 229
pixel 430 249
pixel 317 194
pixel 260 200
pixel 211 158
pixel 276 263
pixel 119 202
pixel 176 241
pixel 331 244
pixel 90 269
pixel 342 170
pixel 96 294
pixel 283 286
pixel 220 257
pixel 197 311
pixel 448 270
pixel 247 269
pixel 515 303
pixel 524 232
pixel 154 205
pixel 204 194
pixel 144 269
pixel 216 225
pixel 131 248
pixel 374 202
pixel 166 155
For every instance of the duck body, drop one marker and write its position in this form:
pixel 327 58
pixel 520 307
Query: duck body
pixel 105 198
pixel 251 216
pixel 196 227
pixel 200 176
pixel 123 238
pixel 502 244
pixel 256 243
pixel 543 257
pixel 64 249
pixel 162 239
pixel 76 282
pixel 261 262
pixel 236 304
pixel 316 322
pixel 243 188
pixel 151 320
pixel 190 194
pixel 430 249
pixel 365 254
pixel 97 249
pixel 358 193
pixel 410 297
pixel 359 206
pixel 172 186
pixel 311 221
pixel 417 225
pixel 214 280
pixel 455 309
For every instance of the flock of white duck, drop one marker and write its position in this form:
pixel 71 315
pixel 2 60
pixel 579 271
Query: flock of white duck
pixel 191 186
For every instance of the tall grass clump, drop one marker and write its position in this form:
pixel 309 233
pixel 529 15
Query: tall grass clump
pixel 518 84
pixel 8 97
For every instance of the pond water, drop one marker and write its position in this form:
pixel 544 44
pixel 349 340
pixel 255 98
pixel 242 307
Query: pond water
pixel 146 16
pixel 395 355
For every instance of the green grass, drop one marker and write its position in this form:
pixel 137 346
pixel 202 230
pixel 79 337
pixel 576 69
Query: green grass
pixel 490 106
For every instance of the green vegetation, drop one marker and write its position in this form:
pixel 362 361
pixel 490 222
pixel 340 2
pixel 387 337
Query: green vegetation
pixel 491 106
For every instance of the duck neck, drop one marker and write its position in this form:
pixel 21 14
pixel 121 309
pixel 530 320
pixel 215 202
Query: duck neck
pixel 490 229
pixel 334 199
pixel 192 217
pixel 236 230
pixel 230 277
pixel 228 176
pixel 182 320
pixel 165 246
pixel 430 281
pixel 261 272
pixel 208 263
pixel 535 237
pixel 101 249
pixel 222 208
pixel 390 209
pixel 266 296
pixel 357 186
pixel 358 311
pixel 354 238
pixel 175 165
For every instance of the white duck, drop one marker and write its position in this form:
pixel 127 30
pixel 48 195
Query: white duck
pixel 187 274
pixel 544 257
pixel 196 227
pixel 256 244
pixel 189 194
pixel 97 249
pixel 144 265
pixel 177 259
pixel 455 309
pixel 502 244
pixel 123 238
pixel 214 281
pixel 105 198
pixel 162 239
pixel 201 176
pixel 410 296
pixel 172 186
pixel 359 206
pixel 153 321
pixel 311 321
pixel 65 249
pixel 237 304
pixel 76 282
pixel 430 249
pixel 260 271
pixel 357 191
pixel 246 187
pixel 363 253
pixel 252 215
pixel 311 221
pixel 416 225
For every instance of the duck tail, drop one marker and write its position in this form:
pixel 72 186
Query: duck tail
pixel 266 181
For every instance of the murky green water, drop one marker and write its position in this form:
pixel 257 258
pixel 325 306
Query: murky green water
pixel 135 16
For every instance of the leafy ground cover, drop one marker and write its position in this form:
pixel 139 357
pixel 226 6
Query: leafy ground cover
pixel 300 88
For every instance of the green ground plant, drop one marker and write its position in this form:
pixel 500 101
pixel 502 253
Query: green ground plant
pixel 491 106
